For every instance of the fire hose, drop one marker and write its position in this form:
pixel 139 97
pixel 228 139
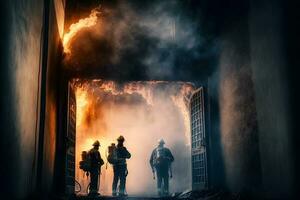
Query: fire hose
pixel 78 185
pixel 87 188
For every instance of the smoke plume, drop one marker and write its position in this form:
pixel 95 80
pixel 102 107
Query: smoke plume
pixel 129 41
pixel 163 40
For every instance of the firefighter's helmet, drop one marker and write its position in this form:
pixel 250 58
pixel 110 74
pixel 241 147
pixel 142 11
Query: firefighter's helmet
pixel 96 143
pixel 161 142
pixel 121 138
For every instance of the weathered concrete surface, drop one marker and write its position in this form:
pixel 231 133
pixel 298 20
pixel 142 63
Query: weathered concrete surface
pixel 22 20
pixel 270 78
pixel 21 73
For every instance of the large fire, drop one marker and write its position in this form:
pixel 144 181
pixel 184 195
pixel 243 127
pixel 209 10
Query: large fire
pixel 98 118
pixel 145 89
pixel 90 21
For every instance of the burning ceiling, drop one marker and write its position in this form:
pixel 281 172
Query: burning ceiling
pixel 95 92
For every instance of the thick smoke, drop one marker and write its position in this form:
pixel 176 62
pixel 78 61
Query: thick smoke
pixel 141 40
pixel 104 113
pixel 162 40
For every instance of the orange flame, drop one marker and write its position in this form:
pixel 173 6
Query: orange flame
pixel 181 101
pixel 86 99
pixel 82 102
pixel 90 21
pixel 145 89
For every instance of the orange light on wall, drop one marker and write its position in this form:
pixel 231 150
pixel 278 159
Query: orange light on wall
pixel 90 21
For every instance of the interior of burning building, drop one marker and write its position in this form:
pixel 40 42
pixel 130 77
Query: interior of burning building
pixel 73 71
pixel 143 112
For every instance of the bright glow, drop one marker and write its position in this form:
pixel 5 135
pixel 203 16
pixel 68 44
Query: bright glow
pixel 142 112
pixel 90 21
pixel 60 16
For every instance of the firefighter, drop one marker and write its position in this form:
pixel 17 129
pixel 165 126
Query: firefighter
pixel 160 162
pixel 95 168
pixel 120 167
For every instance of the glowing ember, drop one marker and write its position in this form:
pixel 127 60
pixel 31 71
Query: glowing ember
pixel 76 27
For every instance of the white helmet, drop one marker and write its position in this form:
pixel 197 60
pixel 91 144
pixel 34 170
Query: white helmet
pixel 161 141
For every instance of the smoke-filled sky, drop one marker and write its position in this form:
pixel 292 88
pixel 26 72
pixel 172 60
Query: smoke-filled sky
pixel 139 40
pixel 143 112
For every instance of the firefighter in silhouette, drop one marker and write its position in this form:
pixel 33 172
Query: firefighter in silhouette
pixel 95 168
pixel 160 161
pixel 120 167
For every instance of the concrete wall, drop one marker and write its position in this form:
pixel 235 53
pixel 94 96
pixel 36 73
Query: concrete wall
pixel 234 136
pixel 53 72
pixel 20 78
pixel 269 64
pixel 238 123
pixel 250 99
pixel 21 85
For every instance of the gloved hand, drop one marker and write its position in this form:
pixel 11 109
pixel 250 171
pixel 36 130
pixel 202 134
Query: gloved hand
pixel 153 174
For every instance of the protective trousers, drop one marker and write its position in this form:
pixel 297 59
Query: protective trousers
pixel 119 175
pixel 162 174
pixel 94 181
